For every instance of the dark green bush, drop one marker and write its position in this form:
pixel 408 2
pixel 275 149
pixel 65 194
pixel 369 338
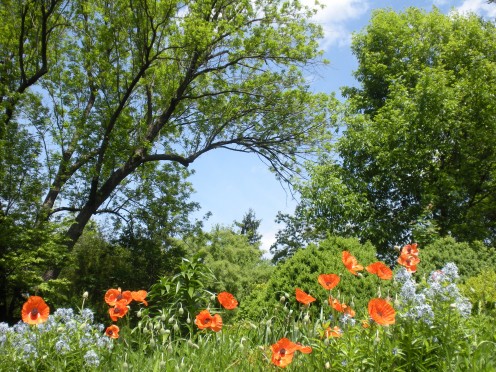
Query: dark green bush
pixel 470 258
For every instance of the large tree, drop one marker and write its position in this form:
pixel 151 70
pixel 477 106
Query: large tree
pixel 95 95
pixel 417 149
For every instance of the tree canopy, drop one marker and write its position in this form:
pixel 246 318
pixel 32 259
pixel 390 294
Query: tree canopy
pixel 100 99
pixel 416 149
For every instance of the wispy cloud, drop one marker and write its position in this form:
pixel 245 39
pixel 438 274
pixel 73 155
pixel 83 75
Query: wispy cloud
pixel 480 7
pixel 335 18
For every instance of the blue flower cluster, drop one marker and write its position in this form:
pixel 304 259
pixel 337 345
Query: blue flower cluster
pixel 440 288
pixel 64 331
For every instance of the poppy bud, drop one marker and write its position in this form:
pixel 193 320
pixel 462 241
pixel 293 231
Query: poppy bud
pixel 162 364
pixel 163 331
pixel 145 330
pixel 193 345
pixel 188 320
pixel 152 342
pixel 85 295
pixel 167 331
pixel 138 314
pixel 306 318
pixel 269 323
pixel 282 299
pixel 181 311
pixel 171 320
pixel 176 327
pixel 286 294
pixel 125 365
pixel 162 317
pixel 150 325
pixel 327 365
pixel 169 348
pixel 157 326
pixel 212 298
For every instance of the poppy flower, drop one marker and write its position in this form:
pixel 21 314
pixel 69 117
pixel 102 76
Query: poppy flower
pixel 341 307
pixel 118 311
pixel 381 270
pixel 112 296
pixel 328 281
pixel 381 311
pixel 282 352
pixel 303 297
pixel 410 249
pixel 227 300
pixel 35 310
pixel 112 331
pixel 139 296
pixel 351 263
pixel 333 332
pixel 284 349
pixel 205 320
pixel 409 261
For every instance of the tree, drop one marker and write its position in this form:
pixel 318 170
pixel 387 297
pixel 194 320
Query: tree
pixel 108 91
pixel 249 227
pixel 417 145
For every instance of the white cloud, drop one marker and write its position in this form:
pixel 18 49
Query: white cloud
pixel 481 7
pixel 334 19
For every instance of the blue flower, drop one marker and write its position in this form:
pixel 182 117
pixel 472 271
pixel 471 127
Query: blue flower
pixel 91 359
pixel 450 270
pixel 402 275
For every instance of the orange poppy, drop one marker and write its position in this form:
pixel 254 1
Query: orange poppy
pixel 139 296
pixel 409 261
pixel 118 311
pixel 351 263
pixel 303 297
pixel 333 332
pixel 328 281
pixel 227 300
pixel 116 295
pixel 381 311
pixel 381 270
pixel 410 249
pixel 282 352
pixel 205 320
pixel 35 310
pixel 284 349
pixel 112 331
pixel 341 307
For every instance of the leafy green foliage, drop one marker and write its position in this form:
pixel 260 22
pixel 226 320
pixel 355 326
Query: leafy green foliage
pixel 470 258
pixel 417 137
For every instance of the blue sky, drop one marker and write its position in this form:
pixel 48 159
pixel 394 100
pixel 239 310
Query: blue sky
pixel 228 184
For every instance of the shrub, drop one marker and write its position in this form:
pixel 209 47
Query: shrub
pixel 481 291
pixel 470 258
pixel 303 269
